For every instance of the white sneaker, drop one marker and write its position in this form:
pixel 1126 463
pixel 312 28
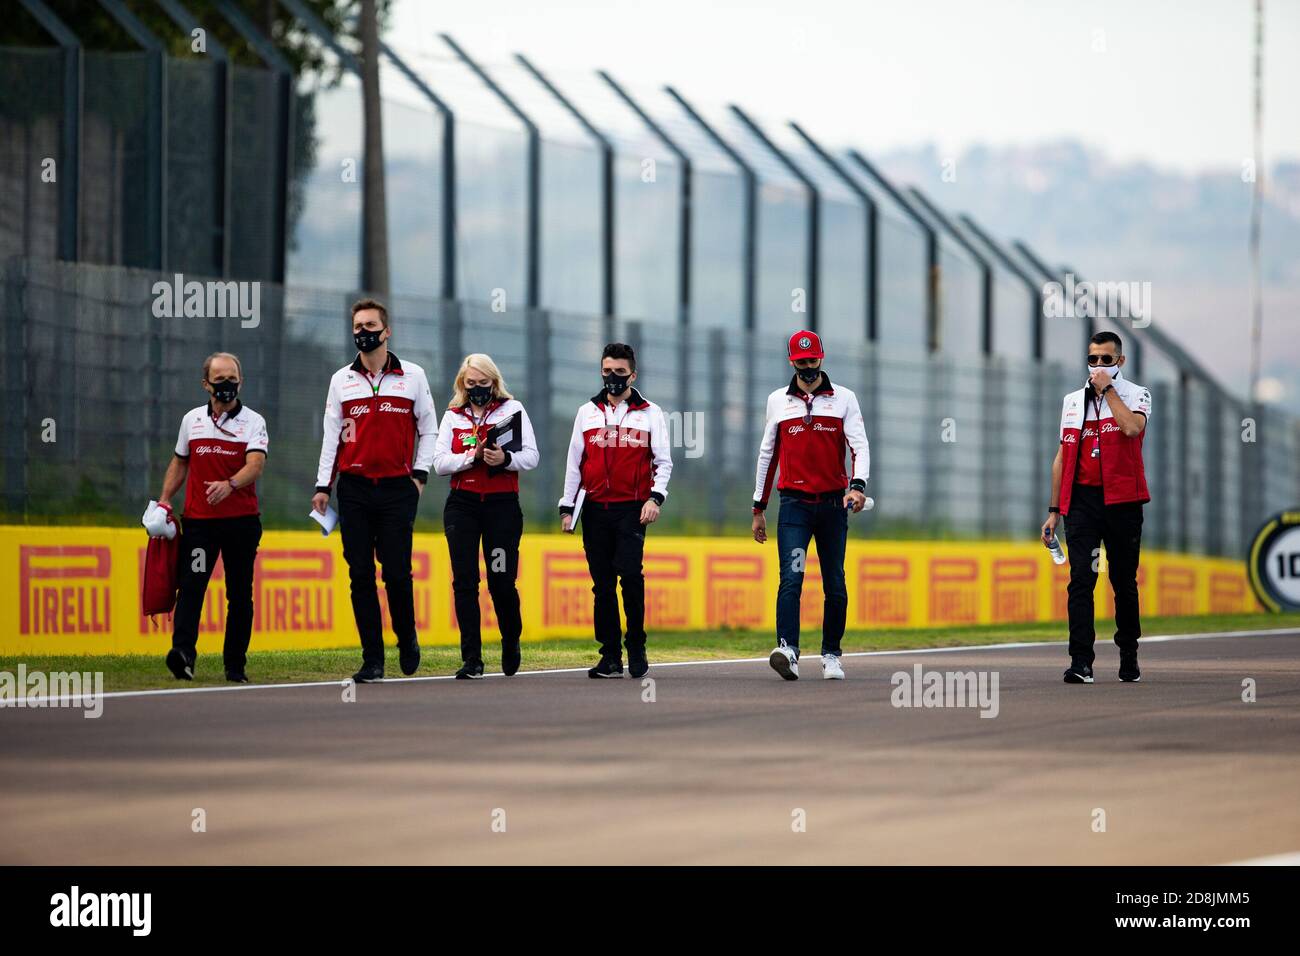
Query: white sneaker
pixel 784 662
pixel 831 669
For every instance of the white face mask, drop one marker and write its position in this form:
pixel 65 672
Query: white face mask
pixel 1112 369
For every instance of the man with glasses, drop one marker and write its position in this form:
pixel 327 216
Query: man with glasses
pixel 1099 487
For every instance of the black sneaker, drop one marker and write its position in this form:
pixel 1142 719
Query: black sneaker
pixel 511 658
pixel 608 667
pixel 181 666
pixel 637 665
pixel 1079 673
pixel 470 670
pixel 368 674
pixel 236 676
pixel 1129 672
pixel 408 656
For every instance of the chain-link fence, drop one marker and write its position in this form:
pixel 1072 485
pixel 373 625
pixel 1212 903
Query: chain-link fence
pixel 95 387
pixel 711 238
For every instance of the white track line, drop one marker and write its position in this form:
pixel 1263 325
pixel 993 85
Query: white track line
pixel 231 688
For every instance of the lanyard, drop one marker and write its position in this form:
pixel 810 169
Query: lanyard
pixel 216 423
pixel 383 373
pixel 476 424
pixel 807 400
pixel 1096 411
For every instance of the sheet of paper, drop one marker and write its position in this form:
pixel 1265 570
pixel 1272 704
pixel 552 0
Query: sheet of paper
pixel 327 521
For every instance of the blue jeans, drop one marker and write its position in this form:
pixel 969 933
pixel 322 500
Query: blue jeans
pixel 827 523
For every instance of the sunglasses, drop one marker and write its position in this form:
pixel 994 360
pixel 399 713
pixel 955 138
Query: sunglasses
pixel 1103 359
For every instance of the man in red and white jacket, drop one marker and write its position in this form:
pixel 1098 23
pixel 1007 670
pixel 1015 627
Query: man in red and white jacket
pixel 380 429
pixel 811 426
pixel 620 461
pixel 1099 485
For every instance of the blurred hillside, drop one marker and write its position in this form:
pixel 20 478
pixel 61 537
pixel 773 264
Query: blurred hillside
pixel 1186 234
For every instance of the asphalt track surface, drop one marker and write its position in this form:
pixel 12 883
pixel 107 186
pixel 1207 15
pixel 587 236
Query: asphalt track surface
pixel 715 770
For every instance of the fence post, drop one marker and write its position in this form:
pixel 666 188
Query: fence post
pixel 449 334
pixel 1252 475
pixel 1214 487
pixel 717 487
pixel 539 369
pixel 137 286
pixel 993 472
pixel 871 418
pixel 15 389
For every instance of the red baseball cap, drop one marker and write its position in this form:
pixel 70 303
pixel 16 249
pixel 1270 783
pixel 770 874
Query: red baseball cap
pixel 805 345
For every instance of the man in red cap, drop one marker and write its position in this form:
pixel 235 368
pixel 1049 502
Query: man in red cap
pixel 810 426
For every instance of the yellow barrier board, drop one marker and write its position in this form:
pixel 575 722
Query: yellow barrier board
pixel 77 590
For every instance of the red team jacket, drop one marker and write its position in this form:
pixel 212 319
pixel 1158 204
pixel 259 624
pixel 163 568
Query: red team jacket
pixel 810 454
pixel 380 427
pixel 215 451
pixel 1123 478
pixel 618 453
pixel 451 456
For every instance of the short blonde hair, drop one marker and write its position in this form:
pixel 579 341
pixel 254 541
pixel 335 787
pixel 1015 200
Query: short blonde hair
pixel 481 363
pixel 207 363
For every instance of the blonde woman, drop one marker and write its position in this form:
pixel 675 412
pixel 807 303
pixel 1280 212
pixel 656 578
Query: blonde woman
pixel 483 504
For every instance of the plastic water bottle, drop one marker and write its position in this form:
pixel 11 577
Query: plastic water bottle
pixel 1054 545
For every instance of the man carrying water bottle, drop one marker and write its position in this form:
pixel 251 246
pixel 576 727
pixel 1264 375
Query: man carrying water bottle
pixel 1099 487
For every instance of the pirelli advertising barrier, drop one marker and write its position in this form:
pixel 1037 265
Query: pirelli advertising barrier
pixel 77 590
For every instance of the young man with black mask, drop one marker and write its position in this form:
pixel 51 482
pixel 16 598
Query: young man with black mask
pixel 380 429
pixel 619 458
pixel 811 426
pixel 1099 486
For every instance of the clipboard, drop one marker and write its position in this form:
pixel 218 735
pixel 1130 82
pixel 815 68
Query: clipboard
pixel 509 434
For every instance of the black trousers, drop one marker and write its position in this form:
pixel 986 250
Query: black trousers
pixel 498 523
pixel 614 540
pixel 202 540
pixel 378 518
pixel 1089 523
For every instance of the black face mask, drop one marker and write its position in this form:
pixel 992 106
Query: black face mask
pixel 479 395
pixel 224 392
pixel 614 383
pixel 808 375
pixel 367 340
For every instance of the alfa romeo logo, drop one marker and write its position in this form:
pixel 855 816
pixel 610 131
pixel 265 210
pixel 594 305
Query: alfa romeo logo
pixel 805 342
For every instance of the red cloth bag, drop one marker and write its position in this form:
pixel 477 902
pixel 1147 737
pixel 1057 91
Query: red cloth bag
pixel 161 575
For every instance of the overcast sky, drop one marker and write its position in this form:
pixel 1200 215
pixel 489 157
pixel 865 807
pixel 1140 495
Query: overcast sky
pixel 1165 81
